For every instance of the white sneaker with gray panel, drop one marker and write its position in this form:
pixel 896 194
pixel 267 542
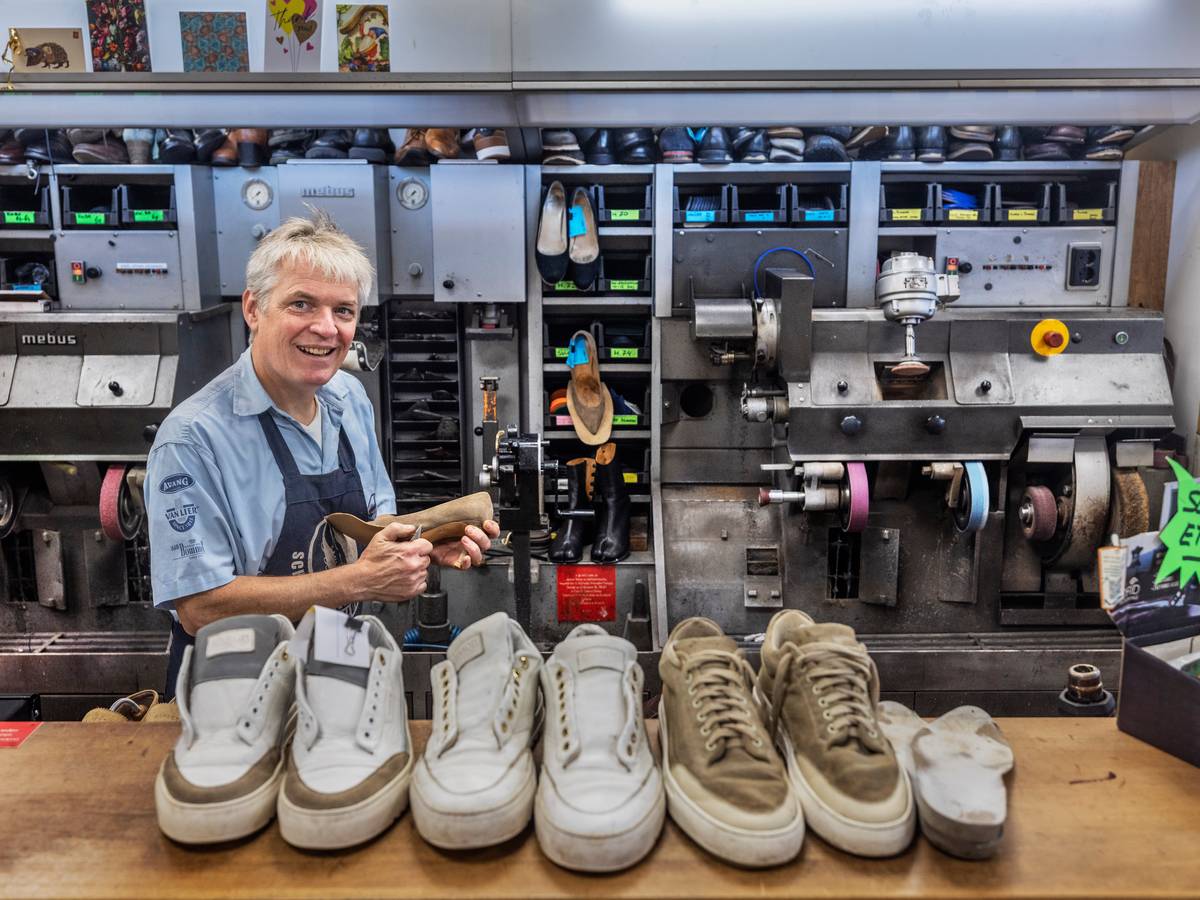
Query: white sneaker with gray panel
pixel 234 694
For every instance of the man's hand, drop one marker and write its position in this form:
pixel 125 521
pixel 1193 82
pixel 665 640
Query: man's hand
pixel 393 567
pixel 469 549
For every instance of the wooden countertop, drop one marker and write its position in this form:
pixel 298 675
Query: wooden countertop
pixel 1093 812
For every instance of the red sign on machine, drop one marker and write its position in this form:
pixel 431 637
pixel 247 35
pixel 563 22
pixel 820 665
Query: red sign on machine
pixel 13 734
pixel 587 593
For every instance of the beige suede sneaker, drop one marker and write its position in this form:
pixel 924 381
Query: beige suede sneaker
pixel 823 688
pixel 726 786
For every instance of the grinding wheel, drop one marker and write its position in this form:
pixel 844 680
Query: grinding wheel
pixel 1130 513
pixel 909 368
pixel 120 518
pixel 857 508
pixel 8 507
pixel 972 509
pixel 1038 513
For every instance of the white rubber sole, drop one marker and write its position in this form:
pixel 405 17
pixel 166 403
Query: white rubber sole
pixel 859 838
pixel 333 829
pixel 497 151
pixel 471 831
pixel 597 853
pixel 740 846
pixel 211 823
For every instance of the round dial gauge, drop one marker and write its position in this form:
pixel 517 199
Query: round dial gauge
pixel 256 194
pixel 412 193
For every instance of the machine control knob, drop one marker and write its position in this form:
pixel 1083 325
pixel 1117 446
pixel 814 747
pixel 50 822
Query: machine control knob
pixel 964 267
pixel 1054 340
pixel 415 270
pixel 93 272
pixel 851 425
pixel 985 386
pixel 935 424
pixel 149 433
pixel 115 387
pixel 478 431
pixel 842 387
pixel 448 283
pixel 258 232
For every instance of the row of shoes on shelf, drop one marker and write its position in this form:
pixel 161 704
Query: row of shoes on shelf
pixel 832 143
pixel 249 147
pixel 744 758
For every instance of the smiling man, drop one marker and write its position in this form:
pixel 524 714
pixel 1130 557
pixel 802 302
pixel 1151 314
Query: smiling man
pixel 243 473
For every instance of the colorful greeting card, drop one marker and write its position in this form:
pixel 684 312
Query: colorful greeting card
pixel 363 42
pixel 214 42
pixel 49 50
pixel 117 31
pixel 293 42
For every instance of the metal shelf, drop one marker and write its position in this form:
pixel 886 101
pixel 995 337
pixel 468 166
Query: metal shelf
pixel 606 368
pixel 633 434
pixel 587 169
pixel 598 302
pixel 625 231
pixel 1019 167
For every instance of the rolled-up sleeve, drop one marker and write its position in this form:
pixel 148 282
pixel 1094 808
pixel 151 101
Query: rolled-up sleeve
pixel 192 542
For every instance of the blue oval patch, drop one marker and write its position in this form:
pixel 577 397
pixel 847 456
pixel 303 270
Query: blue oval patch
pixel 173 484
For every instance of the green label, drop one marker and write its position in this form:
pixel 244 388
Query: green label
pixel 624 352
pixel 19 218
pixel 625 420
pixel 1181 537
pixel 565 286
pixel 624 285
pixel 148 215
pixel 90 218
pixel 624 215
pixel 561 352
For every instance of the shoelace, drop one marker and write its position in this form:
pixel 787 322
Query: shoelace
pixel 840 677
pixel 719 684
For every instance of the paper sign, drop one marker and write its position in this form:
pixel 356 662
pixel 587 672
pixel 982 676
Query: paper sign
pixel 565 286
pixel 148 215
pixel 14 734
pixel 700 215
pixel 623 353
pixel 1022 215
pixel 963 215
pixel 560 352
pixel 625 420
pixel 906 215
pixel 117 30
pixel 630 477
pixel 19 218
pixel 293 36
pixel 49 50
pixel 818 215
pixel 587 593
pixel 759 216
pixel 624 215
pixel 214 42
pixel 364 44
pixel 1087 214
pixel 623 285
pixel 1111 566
pixel 341 640
pixel 1181 537
pixel 90 218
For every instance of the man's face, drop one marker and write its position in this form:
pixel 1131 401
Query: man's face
pixel 303 329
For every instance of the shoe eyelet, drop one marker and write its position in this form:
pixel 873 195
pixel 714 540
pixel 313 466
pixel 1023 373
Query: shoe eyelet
pixel 691 691
pixel 709 746
pixel 696 703
pixel 823 702
pixel 831 729
pixel 565 732
pixel 254 711
pixel 370 721
pixel 827 715
pixel 706 731
pixel 367 734
pixel 873 733
pixel 758 742
pixel 566 747
pixel 510 714
pixel 629 749
pixel 284 655
pixel 504 726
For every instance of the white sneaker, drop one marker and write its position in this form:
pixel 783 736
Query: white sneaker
pixel 600 802
pixel 474 786
pixel 234 693
pixel 351 758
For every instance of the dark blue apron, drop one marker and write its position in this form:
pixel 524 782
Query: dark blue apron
pixel 306 544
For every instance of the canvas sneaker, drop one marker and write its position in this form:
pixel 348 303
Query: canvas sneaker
pixel 726 785
pixel 351 758
pixel 600 803
pixel 234 695
pixel 475 784
pixel 822 687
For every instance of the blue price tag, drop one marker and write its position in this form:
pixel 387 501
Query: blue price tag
pixel 700 215
pixel 818 215
pixel 759 216
pixel 577 226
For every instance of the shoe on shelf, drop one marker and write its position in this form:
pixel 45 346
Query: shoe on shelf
pixel 931 143
pixel 583 241
pixel 1047 151
pixel 981 134
pixel 47 145
pixel 969 151
pixel 1066 134
pixel 107 151
pixel 234 695
pixel 675 145
pixel 600 805
pixel 208 140
pixel 820 147
pixel 897 145
pixel 138 142
pixel 86 135
pixel 551 248
pixel 726 786
pixel 413 150
pixel 598 148
pixel 371 144
pixel 588 399
pixel 611 496
pixel 750 145
pixel 785 148
pixel 251 146
pixel 1008 143
pixel 634 146
pixel 352 757
pixel 822 687
pixel 572 533
pixel 1110 134
pixel 861 135
pixel 784 131
pixel 330 144
pixel 491 143
pixel 474 786
pixel 443 142
pixel 840 133
pixel 1104 152
pixel 559 139
pixel 177 147
pixel 280 137
pixel 714 146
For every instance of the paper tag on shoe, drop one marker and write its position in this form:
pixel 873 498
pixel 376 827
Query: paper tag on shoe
pixel 577 225
pixel 341 640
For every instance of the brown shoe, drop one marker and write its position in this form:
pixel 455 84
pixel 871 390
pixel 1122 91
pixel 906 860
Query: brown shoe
pixel 12 153
pixel 443 522
pixel 443 142
pixel 588 399
pixel 726 785
pixel 251 146
pixel 414 151
pixel 226 154
pixel 491 143
pixel 104 151
pixel 127 709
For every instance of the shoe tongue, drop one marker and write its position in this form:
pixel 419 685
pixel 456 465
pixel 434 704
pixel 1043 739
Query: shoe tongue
pixel 329 636
pixel 594 651
pixel 686 646
pixel 826 632
pixel 482 658
pixel 236 647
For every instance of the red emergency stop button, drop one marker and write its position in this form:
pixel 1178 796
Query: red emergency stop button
pixel 1049 337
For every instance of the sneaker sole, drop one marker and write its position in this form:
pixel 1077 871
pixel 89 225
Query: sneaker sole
pixel 740 846
pixel 597 853
pixel 334 829
pixel 860 838
pixel 474 830
pixel 211 823
pixel 497 151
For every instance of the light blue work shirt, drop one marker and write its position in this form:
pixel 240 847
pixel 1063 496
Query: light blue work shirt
pixel 214 495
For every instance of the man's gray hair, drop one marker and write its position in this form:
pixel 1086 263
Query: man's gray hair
pixel 315 242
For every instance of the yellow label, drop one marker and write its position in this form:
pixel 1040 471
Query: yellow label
pixel 963 215
pixel 1087 214
pixel 630 477
pixel 906 215
pixel 1022 215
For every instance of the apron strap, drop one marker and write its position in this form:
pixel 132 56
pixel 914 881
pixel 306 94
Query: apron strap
pixel 283 456
pixel 345 452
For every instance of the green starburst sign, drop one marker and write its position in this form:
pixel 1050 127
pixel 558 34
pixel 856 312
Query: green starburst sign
pixel 1181 537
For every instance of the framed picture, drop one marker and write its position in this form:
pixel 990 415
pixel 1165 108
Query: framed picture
pixel 117 32
pixel 363 44
pixel 214 42
pixel 293 36
pixel 49 50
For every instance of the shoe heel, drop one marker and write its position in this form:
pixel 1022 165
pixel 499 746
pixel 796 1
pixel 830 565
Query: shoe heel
pixel 250 155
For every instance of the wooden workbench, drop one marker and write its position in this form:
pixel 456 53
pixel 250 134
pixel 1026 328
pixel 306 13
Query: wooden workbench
pixel 1093 812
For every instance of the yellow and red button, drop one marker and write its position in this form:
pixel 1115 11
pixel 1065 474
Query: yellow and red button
pixel 1049 337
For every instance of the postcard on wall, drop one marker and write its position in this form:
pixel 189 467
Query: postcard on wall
pixel 214 42
pixel 49 50
pixel 117 32
pixel 363 37
pixel 293 41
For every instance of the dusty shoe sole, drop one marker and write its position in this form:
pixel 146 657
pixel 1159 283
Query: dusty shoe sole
pixel 593 852
pixel 740 846
pixel 211 823
pixel 333 829
pixel 476 829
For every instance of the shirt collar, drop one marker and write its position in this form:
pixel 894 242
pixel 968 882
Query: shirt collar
pixel 250 398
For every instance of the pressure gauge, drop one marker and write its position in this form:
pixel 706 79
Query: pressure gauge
pixel 256 194
pixel 412 193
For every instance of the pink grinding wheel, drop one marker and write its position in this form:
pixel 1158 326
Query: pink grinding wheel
pixel 854 518
pixel 1043 511
pixel 110 503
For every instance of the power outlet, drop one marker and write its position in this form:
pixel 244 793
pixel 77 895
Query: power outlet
pixel 1083 266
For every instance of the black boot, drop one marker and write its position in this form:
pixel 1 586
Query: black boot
pixel 572 533
pixel 612 498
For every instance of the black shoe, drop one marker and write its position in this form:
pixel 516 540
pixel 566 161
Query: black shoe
pixel 861 135
pixel 1110 134
pixel 1066 134
pixel 447 430
pixel 572 533
pixel 598 148
pixel 552 245
pixel 1046 151
pixel 1008 143
pixel 824 148
pixel 583 243
pixel 419 412
pixel 611 497
pixel 333 144
pixel 931 143
pixel 178 148
pixel 280 155
pixel 750 145
pixel 51 146
pixel 840 133
pixel 448 396
pixel 675 145
pixel 281 136
pixel 634 146
pixel 974 134
pixel 896 147
pixel 714 146
pixel 970 151
pixel 371 144
pixel 207 141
